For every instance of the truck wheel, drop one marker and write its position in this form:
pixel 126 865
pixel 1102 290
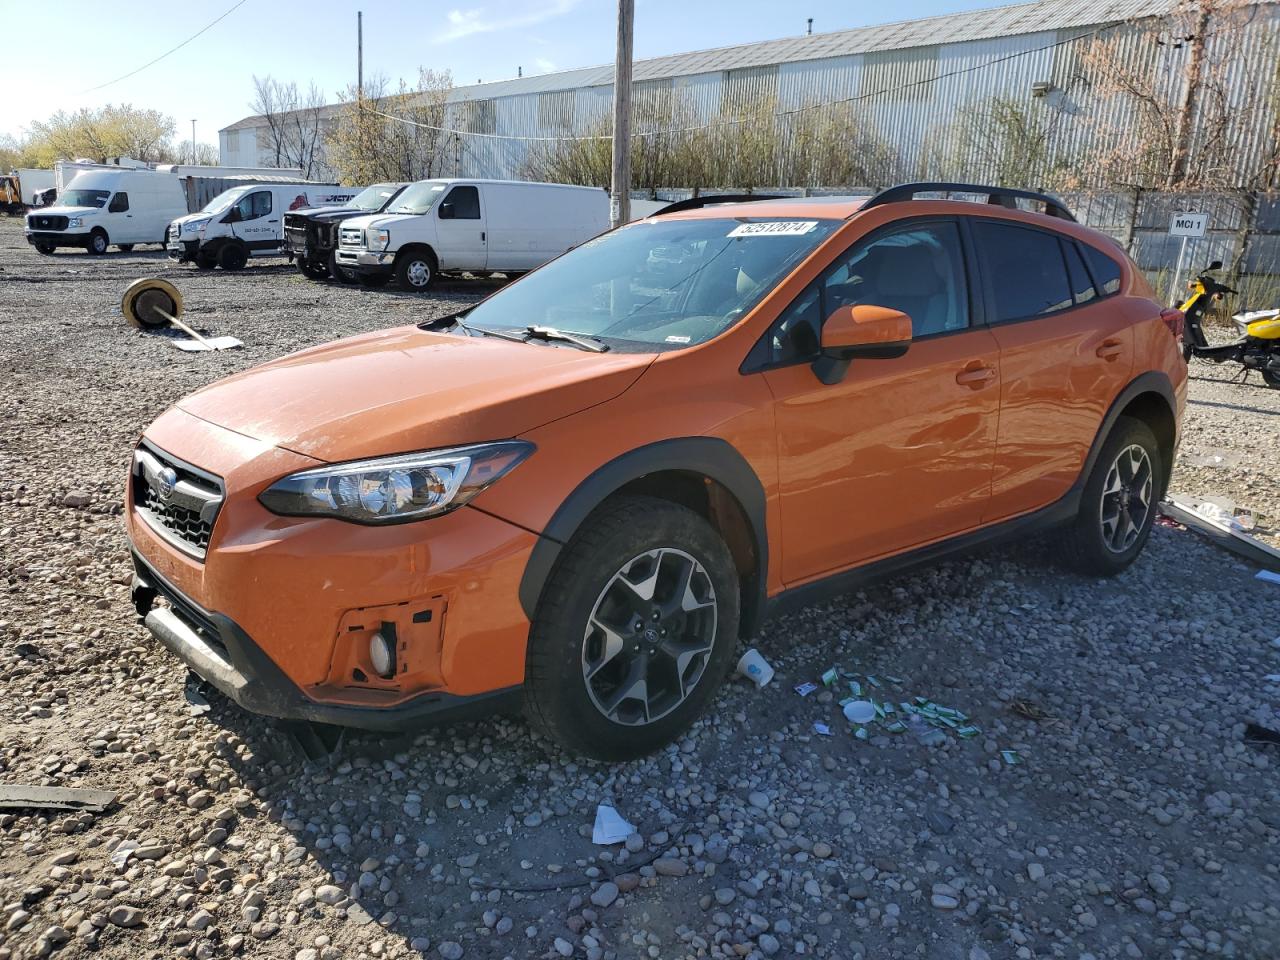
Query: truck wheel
pixel 45 248
pixel 98 242
pixel 415 271
pixel 338 273
pixel 233 256
pixel 205 260
pixel 313 270
pixel 1118 505
pixel 125 247
pixel 634 631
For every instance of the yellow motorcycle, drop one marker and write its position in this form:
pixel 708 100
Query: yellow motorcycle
pixel 1256 348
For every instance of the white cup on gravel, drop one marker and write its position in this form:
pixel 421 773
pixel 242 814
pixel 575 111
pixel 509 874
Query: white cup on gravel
pixel 755 668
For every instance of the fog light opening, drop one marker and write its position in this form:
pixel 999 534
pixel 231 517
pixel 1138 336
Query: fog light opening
pixel 382 652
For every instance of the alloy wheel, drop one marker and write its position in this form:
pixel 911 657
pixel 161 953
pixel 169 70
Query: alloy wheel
pixel 649 637
pixel 1126 498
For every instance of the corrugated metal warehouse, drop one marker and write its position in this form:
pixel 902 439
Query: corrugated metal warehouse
pixel 920 95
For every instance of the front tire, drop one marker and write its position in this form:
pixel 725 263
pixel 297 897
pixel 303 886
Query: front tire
pixel 1118 505
pixel 415 271
pixel 341 274
pixel 1271 378
pixel 312 270
pixel 233 257
pixel 46 248
pixel 634 631
pixel 98 242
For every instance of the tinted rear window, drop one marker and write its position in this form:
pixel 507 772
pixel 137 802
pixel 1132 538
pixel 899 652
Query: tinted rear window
pixel 1081 285
pixel 1106 272
pixel 1025 269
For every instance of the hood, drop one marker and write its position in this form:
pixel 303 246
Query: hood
pixel 328 214
pixel 61 211
pixel 385 221
pixel 405 389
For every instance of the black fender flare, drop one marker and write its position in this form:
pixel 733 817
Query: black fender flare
pixel 1153 381
pixel 711 457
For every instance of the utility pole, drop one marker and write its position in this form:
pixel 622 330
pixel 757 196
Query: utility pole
pixel 620 188
pixel 193 141
pixel 360 55
pixel 1187 109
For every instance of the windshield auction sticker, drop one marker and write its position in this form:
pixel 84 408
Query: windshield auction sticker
pixel 775 228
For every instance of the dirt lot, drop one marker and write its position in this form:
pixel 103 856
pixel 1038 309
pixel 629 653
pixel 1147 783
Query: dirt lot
pixel 1139 823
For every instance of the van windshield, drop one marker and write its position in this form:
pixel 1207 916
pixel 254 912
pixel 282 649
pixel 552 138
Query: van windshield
pixel 371 199
pixel 662 283
pixel 417 197
pixel 224 200
pixel 85 198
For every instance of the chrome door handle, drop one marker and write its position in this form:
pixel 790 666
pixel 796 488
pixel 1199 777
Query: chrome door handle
pixel 975 377
pixel 1109 350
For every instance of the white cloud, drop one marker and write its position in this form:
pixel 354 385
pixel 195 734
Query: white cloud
pixel 544 65
pixel 465 23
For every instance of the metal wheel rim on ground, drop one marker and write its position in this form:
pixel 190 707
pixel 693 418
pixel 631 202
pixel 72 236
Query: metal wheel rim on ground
pixel 649 637
pixel 1126 498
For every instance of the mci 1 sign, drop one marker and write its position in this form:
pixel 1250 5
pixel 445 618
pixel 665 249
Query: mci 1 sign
pixel 1188 224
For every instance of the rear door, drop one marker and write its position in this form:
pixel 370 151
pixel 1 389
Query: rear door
pixel 462 240
pixel 1065 353
pixel 898 453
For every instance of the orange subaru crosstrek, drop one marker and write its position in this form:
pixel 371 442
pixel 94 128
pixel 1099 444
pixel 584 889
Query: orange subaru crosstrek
pixel 584 491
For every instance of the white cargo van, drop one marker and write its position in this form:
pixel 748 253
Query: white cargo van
pixel 246 222
pixel 103 207
pixel 476 226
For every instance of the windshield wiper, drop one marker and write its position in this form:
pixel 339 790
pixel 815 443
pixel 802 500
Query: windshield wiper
pixel 440 323
pixel 536 332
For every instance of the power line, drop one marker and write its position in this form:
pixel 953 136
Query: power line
pixel 731 121
pixel 167 52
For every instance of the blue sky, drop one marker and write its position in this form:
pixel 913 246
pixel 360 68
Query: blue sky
pixel 210 79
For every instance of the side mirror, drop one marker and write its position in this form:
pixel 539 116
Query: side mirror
pixel 1216 265
pixel 865 331
pixel 233 215
pixel 446 211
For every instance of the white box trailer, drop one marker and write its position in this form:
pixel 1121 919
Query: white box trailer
pixel 31 181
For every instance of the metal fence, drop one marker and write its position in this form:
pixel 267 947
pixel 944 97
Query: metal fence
pixel 1243 231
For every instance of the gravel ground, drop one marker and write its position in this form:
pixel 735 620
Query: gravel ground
pixel 1139 822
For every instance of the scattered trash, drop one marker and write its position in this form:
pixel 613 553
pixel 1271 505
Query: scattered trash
pixel 1254 733
pixel 1229 533
pixel 196 703
pixel 859 711
pixel 822 728
pixel 830 677
pixel 123 852
pixel 610 828
pixel 806 688
pixel 1011 757
pixel 1268 575
pixel 1030 710
pixel 1272 678
pixel 755 668
pixel 22 796
pixel 1214 457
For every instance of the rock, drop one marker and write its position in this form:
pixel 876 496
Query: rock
pixel 125 916
pixel 264 929
pixel 330 894
pixel 822 850
pixel 450 950
pixel 307 953
pixel 563 947
pixel 758 800
pixel 627 882
pixel 369 864
pixel 944 902
pixel 670 867
pixel 604 895
pixel 199 920
pixel 725 896
pixel 1035 872
pixel 150 851
pixel 1159 883
pixel 200 799
pixel 768 944
pixel 77 500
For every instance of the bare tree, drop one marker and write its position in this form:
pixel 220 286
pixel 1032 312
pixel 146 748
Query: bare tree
pixel 393 135
pixel 294 123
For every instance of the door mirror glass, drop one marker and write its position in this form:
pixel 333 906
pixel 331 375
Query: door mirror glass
pixel 1216 265
pixel 446 211
pixel 863 331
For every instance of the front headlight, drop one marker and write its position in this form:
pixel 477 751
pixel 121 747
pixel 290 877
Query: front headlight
pixel 75 222
pixel 376 239
pixel 397 489
pixel 194 226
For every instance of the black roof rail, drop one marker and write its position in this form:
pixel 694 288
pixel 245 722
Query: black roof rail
pixel 997 196
pixel 695 203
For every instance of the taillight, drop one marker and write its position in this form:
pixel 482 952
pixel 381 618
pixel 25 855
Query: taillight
pixel 1175 320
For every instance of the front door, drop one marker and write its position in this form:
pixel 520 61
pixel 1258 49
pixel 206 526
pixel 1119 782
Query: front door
pixel 257 221
pixel 125 226
pixel 899 453
pixel 460 230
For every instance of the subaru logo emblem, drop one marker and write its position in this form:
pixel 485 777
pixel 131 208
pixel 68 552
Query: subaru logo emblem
pixel 166 480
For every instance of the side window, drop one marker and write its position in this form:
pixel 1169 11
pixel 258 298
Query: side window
pixel 119 203
pixel 1081 285
pixel 1024 268
pixel 1106 272
pixel 795 335
pixel 917 268
pixel 466 203
pixel 244 207
pixel 261 203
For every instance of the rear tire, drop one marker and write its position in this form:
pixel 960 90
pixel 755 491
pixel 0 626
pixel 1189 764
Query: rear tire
pixel 98 242
pixel 661 576
pixel 1118 505
pixel 416 271
pixel 233 256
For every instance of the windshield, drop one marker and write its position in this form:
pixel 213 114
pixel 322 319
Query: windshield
pixel 417 197
pixel 85 198
pixel 372 198
pixel 662 283
pixel 224 200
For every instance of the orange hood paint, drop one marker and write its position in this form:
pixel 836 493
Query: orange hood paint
pixel 405 389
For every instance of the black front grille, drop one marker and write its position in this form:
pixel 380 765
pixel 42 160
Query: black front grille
pixel 43 222
pixel 179 501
